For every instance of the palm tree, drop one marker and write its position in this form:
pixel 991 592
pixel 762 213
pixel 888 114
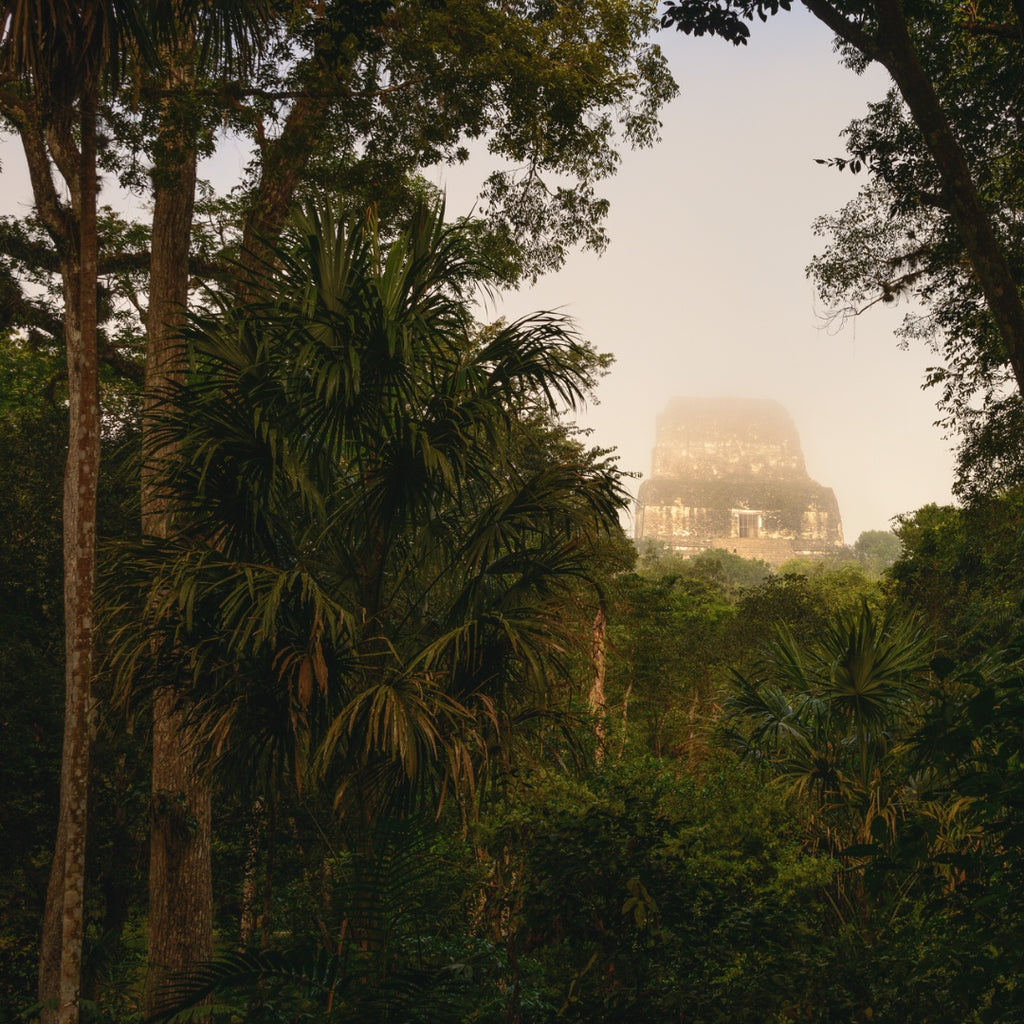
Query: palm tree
pixel 823 715
pixel 369 544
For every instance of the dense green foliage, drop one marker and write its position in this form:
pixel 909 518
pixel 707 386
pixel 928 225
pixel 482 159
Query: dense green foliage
pixel 649 892
pixel 33 441
pixel 669 882
pixel 805 798
pixel 673 881
pixel 475 759
pixel 962 569
pixel 369 545
pixel 31 458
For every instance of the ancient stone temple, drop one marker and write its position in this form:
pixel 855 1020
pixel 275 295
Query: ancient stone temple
pixel 729 473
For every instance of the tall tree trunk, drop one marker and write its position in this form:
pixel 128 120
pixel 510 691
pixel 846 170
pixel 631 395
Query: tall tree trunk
pixel 61 939
pixel 180 882
pixel 595 698
pixel 180 877
pixel 894 49
pixel 63 920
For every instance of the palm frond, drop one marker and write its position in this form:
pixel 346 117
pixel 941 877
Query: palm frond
pixel 373 535
pixel 315 975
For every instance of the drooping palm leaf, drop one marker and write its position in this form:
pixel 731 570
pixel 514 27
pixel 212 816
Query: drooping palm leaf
pixel 372 539
pixel 821 715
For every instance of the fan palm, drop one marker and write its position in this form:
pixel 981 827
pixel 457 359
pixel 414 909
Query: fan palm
pixel 369 542
pixel 823 714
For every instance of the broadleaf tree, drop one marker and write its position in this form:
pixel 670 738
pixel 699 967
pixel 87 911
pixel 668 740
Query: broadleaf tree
pixel 940 215
pixel 352 97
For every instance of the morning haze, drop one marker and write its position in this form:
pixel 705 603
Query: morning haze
pixel 703 292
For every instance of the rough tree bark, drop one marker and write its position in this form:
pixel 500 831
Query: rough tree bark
pixel 180 877
pixel 48 143
pixel 595 698
pixel 893 47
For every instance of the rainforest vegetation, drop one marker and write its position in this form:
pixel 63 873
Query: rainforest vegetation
pixel 331 688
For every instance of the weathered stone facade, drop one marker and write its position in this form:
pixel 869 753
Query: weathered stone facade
pixel 729 473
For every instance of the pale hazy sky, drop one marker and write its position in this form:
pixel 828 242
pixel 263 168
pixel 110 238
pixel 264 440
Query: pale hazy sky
pixel 702 290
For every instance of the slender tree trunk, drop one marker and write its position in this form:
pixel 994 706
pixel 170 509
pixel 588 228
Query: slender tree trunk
pixel 595 698
pixel 74 234
pixel 61 945
pixel 180 876
pixel 625 717
pixel 80 494
pixel 251 918
pixel 283 161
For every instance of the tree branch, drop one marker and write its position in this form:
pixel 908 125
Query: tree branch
pixel 847 30
pixel 55 217
pixel 897 54
pixel 66 157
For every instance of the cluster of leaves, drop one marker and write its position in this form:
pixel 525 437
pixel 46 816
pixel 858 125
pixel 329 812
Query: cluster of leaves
pixel 962 569
pixel 649 892
pixel 682 625
pixel 371 544
pixel 897 239
pixel 824 714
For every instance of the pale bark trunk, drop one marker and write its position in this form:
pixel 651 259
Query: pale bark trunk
pixel 80 494
pixel 61 949
pixel 596 698
pixel 74 234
